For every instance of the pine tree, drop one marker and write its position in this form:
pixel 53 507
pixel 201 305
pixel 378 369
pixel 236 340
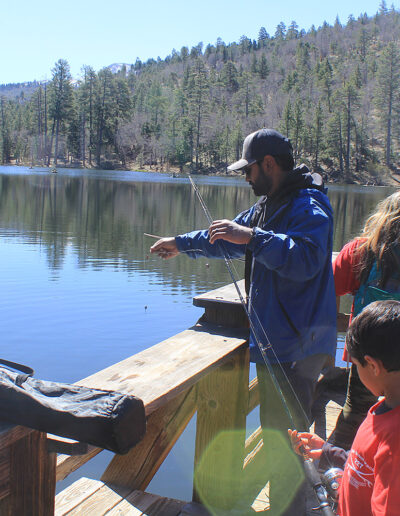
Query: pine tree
pixel 86 101
pixel 387 92
pixel 5 131
pixel 334 138
pixel 263 36
pixel 245 44
pixel 363 42
pixel 298 124
pixel 254 64
pixel 280 32
pixel 37 106
pixel 104 110
pixel 287 119
pixel 293 31
pixel 229 77
pixel 60 101
pixel 245 87
pixel 350 100
pixel 351 21
pixel 197 104
pixel 325 79
pixel 317 133
pixel 303 63
pixel 383 8
pixel 263 68
pixel 74 144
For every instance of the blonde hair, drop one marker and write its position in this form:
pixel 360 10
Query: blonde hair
pixel 381 236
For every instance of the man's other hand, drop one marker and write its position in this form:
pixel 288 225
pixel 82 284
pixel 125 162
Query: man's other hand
pixel 229 231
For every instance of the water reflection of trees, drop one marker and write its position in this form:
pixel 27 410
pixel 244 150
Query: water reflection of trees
pixel 351 206
pixel 103 221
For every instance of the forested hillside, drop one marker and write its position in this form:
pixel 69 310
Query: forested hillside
pixel 335 91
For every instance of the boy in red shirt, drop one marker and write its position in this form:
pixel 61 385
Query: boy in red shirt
pixel 371 479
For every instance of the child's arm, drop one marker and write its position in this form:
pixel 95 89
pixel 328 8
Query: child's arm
pixel 311 443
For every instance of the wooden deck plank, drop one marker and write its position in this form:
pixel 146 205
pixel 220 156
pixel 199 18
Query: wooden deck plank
pixel 99 503
pixel 94 498
pixel 135 504
pixel 333 410
pixel 261 503
pixel 223 306
pixel 222 295
pixel 165 507
pixel 254 395
pixel 75 494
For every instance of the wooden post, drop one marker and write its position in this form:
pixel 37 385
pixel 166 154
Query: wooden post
pixel 27 473
pixel 222 403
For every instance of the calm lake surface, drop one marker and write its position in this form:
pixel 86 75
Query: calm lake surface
pixel 80 289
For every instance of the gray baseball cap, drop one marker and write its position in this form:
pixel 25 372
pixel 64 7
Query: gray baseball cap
pixel 262 143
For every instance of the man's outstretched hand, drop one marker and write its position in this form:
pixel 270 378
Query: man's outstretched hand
pixel 229 231
pixel 219 229
pixel 165 248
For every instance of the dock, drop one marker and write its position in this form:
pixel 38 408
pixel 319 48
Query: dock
pixel 203 370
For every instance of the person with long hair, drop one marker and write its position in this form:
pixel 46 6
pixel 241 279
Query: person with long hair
pixel 369 268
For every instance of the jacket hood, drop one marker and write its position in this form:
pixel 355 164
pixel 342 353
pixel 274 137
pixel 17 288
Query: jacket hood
pixel 297 179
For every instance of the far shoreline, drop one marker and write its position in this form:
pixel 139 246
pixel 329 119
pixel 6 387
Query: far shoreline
pixel 365 178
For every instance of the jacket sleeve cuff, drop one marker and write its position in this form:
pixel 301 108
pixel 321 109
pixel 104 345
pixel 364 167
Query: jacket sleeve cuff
pixel 181 240
pixel 253 241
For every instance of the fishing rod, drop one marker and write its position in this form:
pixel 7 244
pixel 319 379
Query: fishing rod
pixel 228 263
pixel 310 471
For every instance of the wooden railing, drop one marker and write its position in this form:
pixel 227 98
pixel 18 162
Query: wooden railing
pixel 204 369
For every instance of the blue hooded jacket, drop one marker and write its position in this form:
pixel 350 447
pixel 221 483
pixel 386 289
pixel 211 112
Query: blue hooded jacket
pixel 292 296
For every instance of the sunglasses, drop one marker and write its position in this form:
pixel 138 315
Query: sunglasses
pixel 246 170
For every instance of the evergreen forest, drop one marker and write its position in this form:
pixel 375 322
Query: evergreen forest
pixel 333 90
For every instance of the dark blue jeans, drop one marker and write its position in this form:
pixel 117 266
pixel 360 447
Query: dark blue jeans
pixel 287 500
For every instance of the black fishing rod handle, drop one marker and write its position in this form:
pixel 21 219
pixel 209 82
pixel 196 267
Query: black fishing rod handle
pixel 314 479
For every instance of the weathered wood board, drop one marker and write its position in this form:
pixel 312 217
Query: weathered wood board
pixel 89 497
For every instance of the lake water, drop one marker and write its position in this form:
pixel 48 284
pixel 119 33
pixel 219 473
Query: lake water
pixel 80 289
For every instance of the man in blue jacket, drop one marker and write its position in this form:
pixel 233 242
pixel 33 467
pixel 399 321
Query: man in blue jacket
pixel 287 240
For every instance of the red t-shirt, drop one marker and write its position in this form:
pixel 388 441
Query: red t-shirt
pixel 345 269
pixel 345 273
pixel 371 481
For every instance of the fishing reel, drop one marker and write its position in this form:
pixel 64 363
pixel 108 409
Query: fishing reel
pixel 324 487
pixel 331 480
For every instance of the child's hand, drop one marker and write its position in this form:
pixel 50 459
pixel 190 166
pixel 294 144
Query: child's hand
pixel 311 443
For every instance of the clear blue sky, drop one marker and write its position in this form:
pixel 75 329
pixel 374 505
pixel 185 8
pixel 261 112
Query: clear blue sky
pixel 35 34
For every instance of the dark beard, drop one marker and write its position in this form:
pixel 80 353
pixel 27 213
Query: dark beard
pixel 262 186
